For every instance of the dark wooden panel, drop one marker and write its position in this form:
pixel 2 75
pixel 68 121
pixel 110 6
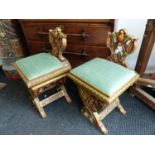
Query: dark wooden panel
pixel 82 34
pixel 86 39
pixel 74 53
pixel 38 47
pixel 88 52
pixel 79 21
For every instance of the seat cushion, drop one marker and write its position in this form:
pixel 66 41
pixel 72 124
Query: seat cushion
pixel 105 76
pixel 38 65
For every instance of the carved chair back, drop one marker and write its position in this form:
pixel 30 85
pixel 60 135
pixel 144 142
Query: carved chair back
pixel 121 44
pixel 58 41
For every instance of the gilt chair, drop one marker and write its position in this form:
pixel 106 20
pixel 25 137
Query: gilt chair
pixel 101 82
pixel 46 71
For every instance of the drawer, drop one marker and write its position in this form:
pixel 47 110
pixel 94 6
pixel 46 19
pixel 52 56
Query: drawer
pixel 76 54
pixel 91 34
pixel 86 52
pixel 38 47
pixel 87 34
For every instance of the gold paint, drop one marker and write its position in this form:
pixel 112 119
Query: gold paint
pixel 100 95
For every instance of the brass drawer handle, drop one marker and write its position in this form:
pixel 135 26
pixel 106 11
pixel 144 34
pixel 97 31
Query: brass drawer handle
pixel 82 53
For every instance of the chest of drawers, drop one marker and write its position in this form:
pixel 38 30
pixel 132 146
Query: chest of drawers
pixel 86 39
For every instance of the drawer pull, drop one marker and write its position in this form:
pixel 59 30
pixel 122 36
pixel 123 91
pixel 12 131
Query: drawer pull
pixel 83 34
pixel 82 53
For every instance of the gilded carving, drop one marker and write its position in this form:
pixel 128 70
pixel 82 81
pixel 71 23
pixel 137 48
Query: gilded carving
pixel 58 42
pixel 121 45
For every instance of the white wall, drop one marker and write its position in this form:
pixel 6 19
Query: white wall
pixel 136 28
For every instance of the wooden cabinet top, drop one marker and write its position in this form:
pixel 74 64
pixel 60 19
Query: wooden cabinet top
pixel 101 21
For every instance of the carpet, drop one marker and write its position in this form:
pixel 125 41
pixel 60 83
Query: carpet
pixel 19 117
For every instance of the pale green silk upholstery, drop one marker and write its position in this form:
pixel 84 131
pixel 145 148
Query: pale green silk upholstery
pixel 105 76
pixel 38 65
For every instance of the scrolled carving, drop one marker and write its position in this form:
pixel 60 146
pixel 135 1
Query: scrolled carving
pixel 58 41
pixel 121 45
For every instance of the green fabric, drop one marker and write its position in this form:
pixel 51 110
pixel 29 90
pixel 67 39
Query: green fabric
pixel 38 65
pixel 106 76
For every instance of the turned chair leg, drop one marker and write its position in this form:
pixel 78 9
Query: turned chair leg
pixel 39 107
pixel 68 99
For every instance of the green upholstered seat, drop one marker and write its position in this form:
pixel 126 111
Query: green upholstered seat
pixel 105 76
pixel 38 65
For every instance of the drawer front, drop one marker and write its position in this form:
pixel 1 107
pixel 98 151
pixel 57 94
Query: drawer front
pixel 86 52
pixel 76 54
pixel 90 34
pixel 38 47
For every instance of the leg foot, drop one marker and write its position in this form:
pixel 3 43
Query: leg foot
pixel 99 123
pixel 39 108
pixel 68 99
pixel 120 108
pixel 94 118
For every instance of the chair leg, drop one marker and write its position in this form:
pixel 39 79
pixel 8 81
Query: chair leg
pixel 39 107
pixel 94 118
pixel 120 107
pixel 40 104
pixel 68 99
pixel 99 124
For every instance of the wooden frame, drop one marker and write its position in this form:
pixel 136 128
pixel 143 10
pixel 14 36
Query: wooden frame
pixel 52 80
pixel 147 79
pixel 39 89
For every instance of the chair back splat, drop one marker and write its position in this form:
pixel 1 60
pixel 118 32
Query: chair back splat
pixel 121 44
pixel 58 41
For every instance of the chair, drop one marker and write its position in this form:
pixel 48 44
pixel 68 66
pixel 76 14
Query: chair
pixel 101 82
pixel 46 71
